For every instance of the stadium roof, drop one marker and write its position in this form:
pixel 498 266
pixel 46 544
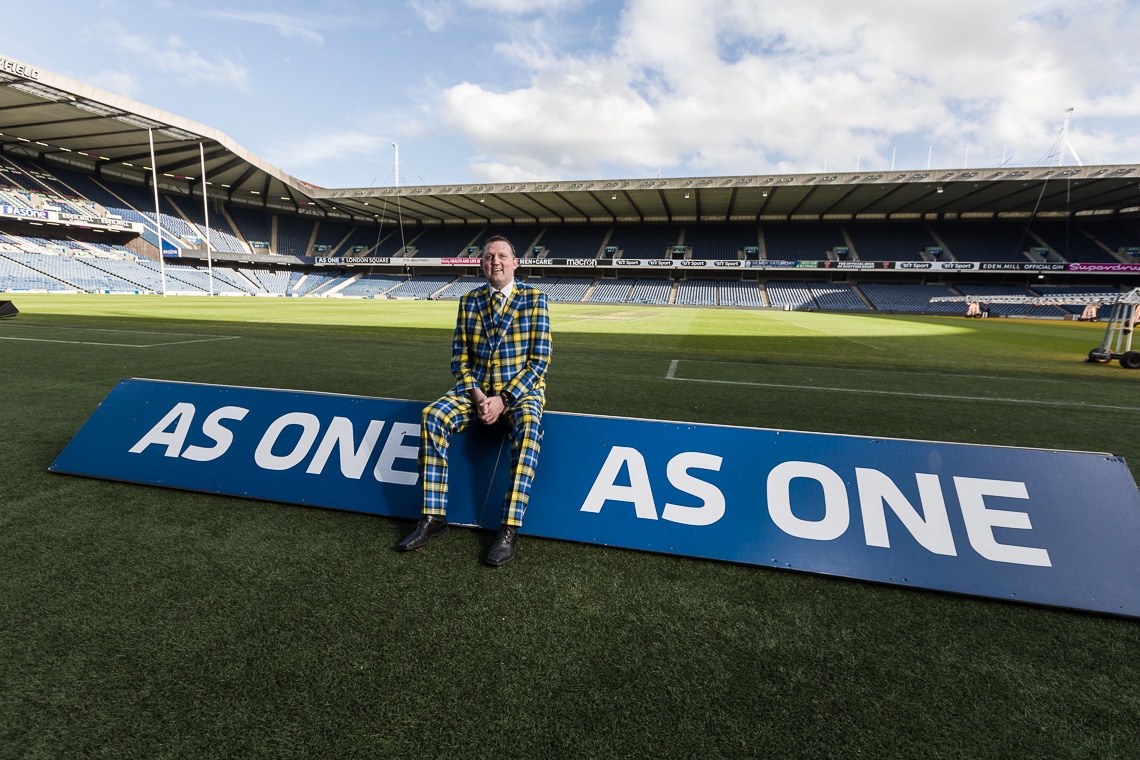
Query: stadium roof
pixel 71 124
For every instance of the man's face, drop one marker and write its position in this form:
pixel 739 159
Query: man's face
pixel 499 264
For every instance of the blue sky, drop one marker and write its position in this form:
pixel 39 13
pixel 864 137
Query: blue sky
pixel 506 90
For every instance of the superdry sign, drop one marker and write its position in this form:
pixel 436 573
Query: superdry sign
pixel 1057 528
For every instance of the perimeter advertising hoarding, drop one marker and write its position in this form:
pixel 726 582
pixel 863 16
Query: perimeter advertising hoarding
pixel 1057 528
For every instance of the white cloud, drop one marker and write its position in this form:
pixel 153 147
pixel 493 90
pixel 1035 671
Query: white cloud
pixel 320 149
pixel 434 13
pixel 289 26
pixel 727 86
pixel 118 81
pixel 172 57
pixel 494 171
pixel 522 6
pixel 437 14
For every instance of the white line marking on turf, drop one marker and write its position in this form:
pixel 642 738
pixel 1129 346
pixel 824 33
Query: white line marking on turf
pixel 118 345
pixel 880 371
pixel 672 375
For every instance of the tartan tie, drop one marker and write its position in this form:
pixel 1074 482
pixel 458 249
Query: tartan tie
pixel 499 303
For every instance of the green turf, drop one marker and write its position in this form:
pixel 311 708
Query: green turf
pixel 149 623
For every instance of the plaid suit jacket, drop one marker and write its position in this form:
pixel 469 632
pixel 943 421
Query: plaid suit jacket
pixel 511 355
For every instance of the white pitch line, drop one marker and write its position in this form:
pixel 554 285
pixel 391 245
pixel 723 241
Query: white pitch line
pixel 818 367
pixel 119 345
pixel 72 328
pixel 671 375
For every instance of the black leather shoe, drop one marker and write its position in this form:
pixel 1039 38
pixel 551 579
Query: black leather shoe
pixel 503 550
pixel 429 527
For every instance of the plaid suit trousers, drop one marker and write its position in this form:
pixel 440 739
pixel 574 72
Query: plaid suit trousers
pixel 494 353
pixel 455 412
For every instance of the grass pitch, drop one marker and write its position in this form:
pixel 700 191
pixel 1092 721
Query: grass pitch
pixel 142 622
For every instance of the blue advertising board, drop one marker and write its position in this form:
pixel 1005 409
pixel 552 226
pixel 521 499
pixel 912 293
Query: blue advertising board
pixel 1058 528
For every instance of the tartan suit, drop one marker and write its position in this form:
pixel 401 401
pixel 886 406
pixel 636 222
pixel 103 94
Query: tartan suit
pixel 509 354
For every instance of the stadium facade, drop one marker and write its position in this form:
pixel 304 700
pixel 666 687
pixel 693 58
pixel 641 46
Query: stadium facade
pixel 82 210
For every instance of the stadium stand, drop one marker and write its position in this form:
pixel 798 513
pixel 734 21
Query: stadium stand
pixel 367 241
pixel 741 294
pixel 264 281
pixel 250 244
pixel 721 241
pixel 648 241
pixel 293 234
pixel 370 285
pixel 459 287
pixel 319 282
pixel 575 241
pixel 651 290
pixel 894 241
pixel 616 290
pixel 1116 235
pixel 910 298
pixel 447 243
pixel 421 286
pixel 566 289
pixel 991 241
pixel 691 292
pixel 1071 242
pixel 16 275
pixel 328 237
pixel 789 294
pixel 801 242
pixel 143 278
pixel 837 297
pixel 253 227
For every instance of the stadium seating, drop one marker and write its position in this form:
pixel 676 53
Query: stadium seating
pixel 645 241
pixel 651 290
pixel 740 294
pixel 574 241
pixel 1072 243
pixel 371 286
pixel 894 241
pixel 318 282
pixel 692 292
pixel 721 241
pixel 70 259
pixel 421 286
pixel 991 241
pixel 616 290
pixel 836 297
pixel 446 242
pixel 1114 234
pixel 566 289
pixel 268 281
pixel 906 297
pixel 459 287
pixel 253 227
pixel 801 242
pixel 789 294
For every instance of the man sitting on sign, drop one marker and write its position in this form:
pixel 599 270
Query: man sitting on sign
pixel 499 356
